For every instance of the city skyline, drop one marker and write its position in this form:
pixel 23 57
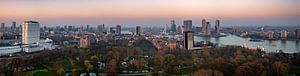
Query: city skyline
pixel 157 12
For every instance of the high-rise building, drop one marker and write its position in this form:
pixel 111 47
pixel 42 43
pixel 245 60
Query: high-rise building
pixel 2 28
pixel 119 29
pixel 188 40
pixel 1 35
pixel 203 28
pixel 112 30
pixel 81 29
pixel 14 26
pixel 208 29
pixel 66 28
pixel 84 41
pixel 283 34
pixel 101 28
pixel 88 28
pixel 30 32
pixel 187 25
pixel 179 29
pixel 138 30
pixel 270 35
pixel 217 27
pixel 297 33
pixel 70 28
pixel 173 26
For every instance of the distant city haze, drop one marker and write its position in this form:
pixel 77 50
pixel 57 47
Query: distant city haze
pixel 151 12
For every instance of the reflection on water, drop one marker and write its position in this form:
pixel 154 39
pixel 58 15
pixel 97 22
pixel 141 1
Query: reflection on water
pixel 269 45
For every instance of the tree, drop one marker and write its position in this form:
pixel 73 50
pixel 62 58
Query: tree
pixel 249 69
pixel 280 69
pixel 94 58
pixel 240 58
pixel 75 72
pixel 90 68
pixel 112 67
pixel 208 72
pixel 60 71
pixel 170 64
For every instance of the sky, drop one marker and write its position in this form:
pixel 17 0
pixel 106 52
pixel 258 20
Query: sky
pixel 151 12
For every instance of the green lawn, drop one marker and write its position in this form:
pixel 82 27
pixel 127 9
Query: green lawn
pixel 185 71
pixel 44 73
pixel 295 69
pixel 67 62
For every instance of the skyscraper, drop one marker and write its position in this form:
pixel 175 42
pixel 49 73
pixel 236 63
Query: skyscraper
pixel 187 25
pixel 14 26
pixel 297 33
pixel 112 30
pixel 179 29
pixel 101 28
pixel 88 28
pixel 138 30
pixel 119 29
pixel 203 28
pixel 217 27
pixel 188 40
pixel 66 28
pixel 283 34
pixel 30 32
pixel 270 35
pixel 173 26
pixel 81 29
pixel 208 29
pixel 2 28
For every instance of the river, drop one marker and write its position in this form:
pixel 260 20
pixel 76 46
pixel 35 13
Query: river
pixel 286 46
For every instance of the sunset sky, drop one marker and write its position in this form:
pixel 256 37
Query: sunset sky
pixel 151 12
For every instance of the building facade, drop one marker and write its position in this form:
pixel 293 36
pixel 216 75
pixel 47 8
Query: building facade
pixel 119 29
pixel 30 32
pixel 283 34
pixel 217 27
pixel 138 30
pixel 208 29
pixel 187 25
pixel 84 41
pixel 173 26
pixel 203 28
pixel 188 40
pixel 297 33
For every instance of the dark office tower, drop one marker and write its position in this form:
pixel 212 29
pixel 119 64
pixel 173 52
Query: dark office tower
pixel 297 33
pixel 112 30
pixel 103 28
pixel 66 28
pixel 173 26
pixel 14 26
pixel 2 28
pixel 70 28
pixel 217 27
pixel 119 29
pixel 138 30
pixel 203 28
pixel 208 29
pixel 179 30
pixel 187 25
pixel 99 27
pixel 88 28
pixel 188 40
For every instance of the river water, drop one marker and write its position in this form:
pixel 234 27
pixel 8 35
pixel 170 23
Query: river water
pixel 286 46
